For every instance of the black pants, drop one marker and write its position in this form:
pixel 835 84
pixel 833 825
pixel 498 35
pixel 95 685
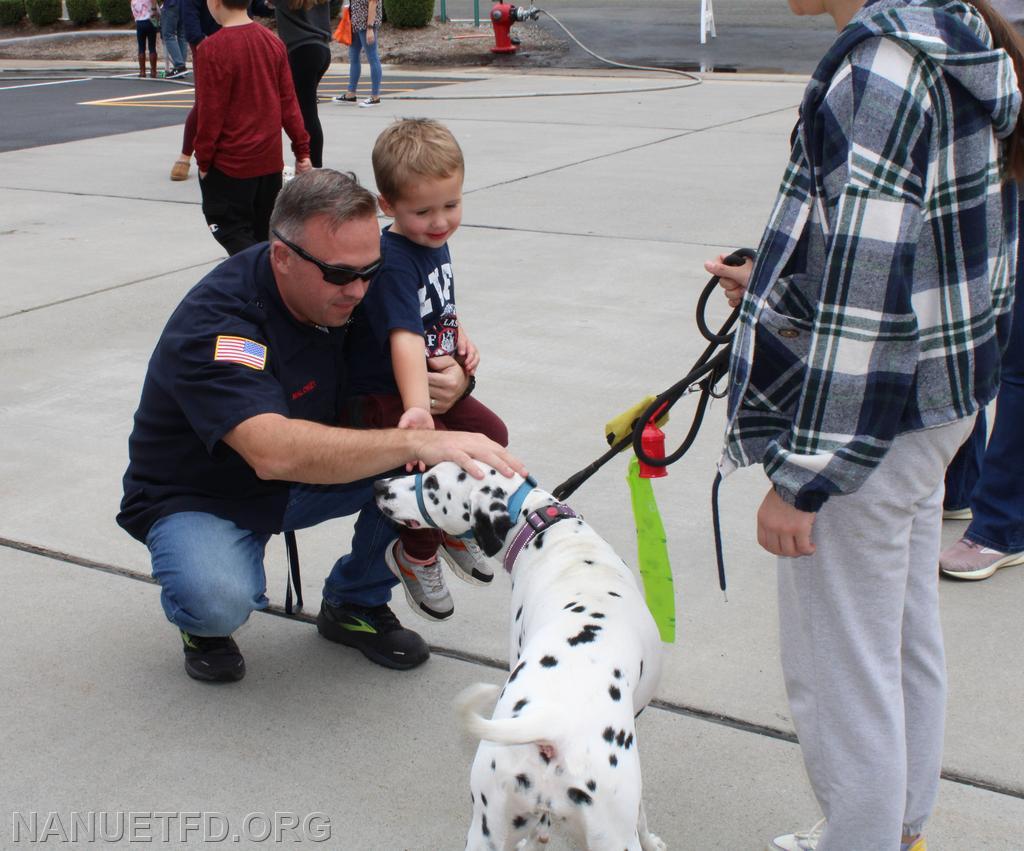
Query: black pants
pixel 237 209
pixel 309 63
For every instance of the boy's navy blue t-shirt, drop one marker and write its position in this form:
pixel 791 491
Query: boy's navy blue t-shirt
pixel 414 291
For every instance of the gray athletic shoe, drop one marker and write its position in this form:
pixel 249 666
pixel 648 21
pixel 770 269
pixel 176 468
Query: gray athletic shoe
pixel 423 584
pixel 466 560
pixel 968 560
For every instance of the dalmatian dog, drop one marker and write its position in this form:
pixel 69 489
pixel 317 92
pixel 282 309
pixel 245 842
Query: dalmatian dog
pixel 560 750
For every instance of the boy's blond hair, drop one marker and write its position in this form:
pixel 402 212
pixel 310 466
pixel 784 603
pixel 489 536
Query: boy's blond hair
pixel 411 150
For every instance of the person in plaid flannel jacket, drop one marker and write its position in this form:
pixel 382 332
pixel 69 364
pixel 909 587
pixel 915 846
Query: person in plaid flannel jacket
pixel 871 328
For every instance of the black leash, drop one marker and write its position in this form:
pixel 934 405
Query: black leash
pixel 707 372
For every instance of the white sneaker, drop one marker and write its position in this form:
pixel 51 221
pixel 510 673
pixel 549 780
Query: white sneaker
pixel 968 560
pixel 466 560
pixel 370 101
pixel 799 841
pixel 423 584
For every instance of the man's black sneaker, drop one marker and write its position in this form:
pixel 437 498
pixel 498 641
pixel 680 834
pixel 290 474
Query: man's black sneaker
pixel 212 659
pixel 375 632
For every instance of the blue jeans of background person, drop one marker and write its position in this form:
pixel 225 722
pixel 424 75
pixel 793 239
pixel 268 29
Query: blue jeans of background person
pixel 211 572
pixel 991 480
pixel 172 29
pixel 376 72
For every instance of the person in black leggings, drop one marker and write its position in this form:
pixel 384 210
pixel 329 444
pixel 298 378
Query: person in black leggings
pixel 305 28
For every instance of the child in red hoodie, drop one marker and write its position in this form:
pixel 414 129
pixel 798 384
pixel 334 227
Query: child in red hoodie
pixel 244 96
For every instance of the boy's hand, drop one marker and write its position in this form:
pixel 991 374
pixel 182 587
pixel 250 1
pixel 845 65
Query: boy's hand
pixel 732 279
pixel 468 354
pixel 303 165
pixel 447 382
pixel 782 529
pixel 418 418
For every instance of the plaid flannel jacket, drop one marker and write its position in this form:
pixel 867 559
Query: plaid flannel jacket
pixel 884 278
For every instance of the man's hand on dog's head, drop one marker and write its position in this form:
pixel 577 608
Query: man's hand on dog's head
pixel 466 449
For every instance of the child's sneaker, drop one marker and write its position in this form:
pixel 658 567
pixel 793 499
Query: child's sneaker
pixel 423 584
pixel 967 560
pixel 370 101
pixel 800 841
pixel 466 560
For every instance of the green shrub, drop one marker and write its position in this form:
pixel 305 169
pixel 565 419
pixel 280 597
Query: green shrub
pixel 42 13
pixel 116 12
pixel 83 11
pixel 409 13
pixel 11 12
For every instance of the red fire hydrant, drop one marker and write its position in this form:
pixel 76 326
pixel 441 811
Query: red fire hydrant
pixel 503 15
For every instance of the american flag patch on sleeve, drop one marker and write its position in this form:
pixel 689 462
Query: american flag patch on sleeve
pixel 241 350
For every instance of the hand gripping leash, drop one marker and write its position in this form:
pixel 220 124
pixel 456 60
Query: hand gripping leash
pixel 707 372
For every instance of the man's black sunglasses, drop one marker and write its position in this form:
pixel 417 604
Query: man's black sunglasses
pixel 338 275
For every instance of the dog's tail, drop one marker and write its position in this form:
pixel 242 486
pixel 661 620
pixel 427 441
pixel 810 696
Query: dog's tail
pixel 538 726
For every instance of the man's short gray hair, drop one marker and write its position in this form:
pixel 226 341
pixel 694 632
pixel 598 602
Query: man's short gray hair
pixel 325 192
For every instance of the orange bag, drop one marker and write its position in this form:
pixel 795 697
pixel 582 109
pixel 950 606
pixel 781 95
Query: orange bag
pixel 343 32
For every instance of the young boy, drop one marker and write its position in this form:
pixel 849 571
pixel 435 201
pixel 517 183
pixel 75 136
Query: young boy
pixel 244 96
pixel 409 314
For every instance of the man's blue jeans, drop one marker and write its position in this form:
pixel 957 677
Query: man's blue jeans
pixel 211 571
pixel 991 480
pixel 172 30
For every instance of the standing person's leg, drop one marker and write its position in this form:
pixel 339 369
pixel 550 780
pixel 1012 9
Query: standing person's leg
pixel 376 72
pixel 228 207
pixel 179 171
pixel 964 470
pixel 308 64
pixel 170 22
pixel 151 38
pixel 211 579
pixel 354 69
pixel 995 537
pixel 354 611
pixel 842 634
pixel 140 39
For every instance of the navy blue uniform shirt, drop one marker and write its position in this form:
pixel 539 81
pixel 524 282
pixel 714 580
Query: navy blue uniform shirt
pixel 230 351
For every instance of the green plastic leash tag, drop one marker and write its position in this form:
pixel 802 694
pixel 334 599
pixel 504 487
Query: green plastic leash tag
pixel 652 553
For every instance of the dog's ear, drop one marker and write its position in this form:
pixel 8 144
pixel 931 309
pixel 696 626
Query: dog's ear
pixel 491 523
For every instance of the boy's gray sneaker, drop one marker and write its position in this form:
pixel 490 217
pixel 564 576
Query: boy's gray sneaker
pixel 423 584
pixel 967 560
pixel 466 560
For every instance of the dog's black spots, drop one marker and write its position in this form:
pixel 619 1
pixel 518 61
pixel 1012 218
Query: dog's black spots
pixel 569 605
pixel 472 797
pixel 483 799
pixel 548 661
pixel 492 765
pixel 412 487
pixel 616 673
pixel 641 668
pixel 519 705
pixel 434 499
pixel 388 512
pixel 579 797
pixel 545 755
pixel 546 818
pixel 592 785
pixel 585 635
pixel 497 507
pixel 614 692
pixel 621 738
pixel 515 672
pixel 431 483
pixel 461 477
pixel 444 510
pixel 614 594
pixel 519 822
pixel 465 516
pixel 609 734
pixel 613 760
pixel 493 472
pixel 483 825
pixel 579 609
pixel 538 542
pixel 597 615
pixel 519 613
pixel 499 493
pixel 485 489
pixel 523 782
pixel 588 561
pixel 629 741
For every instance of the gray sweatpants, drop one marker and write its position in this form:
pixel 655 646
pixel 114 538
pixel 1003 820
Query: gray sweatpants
pixel 862 647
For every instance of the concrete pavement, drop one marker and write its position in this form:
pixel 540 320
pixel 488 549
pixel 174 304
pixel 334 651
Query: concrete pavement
pixel 579 264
